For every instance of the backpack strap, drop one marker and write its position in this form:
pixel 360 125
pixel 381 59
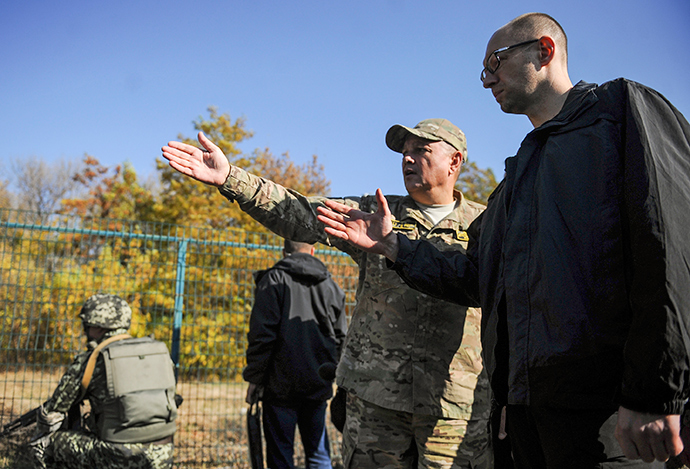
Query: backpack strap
pixel 91 363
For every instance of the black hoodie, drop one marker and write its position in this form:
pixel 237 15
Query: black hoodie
pixel 298 324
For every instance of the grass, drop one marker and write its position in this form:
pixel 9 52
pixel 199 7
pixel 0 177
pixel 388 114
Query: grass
pixel 211 423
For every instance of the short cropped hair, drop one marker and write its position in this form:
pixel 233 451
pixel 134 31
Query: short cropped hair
pixel 533 25
pixel 295 246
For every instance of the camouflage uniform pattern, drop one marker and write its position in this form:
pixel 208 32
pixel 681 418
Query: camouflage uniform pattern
pixel 79 449
pixel 106 311
pixel 441 443
pixel 404 350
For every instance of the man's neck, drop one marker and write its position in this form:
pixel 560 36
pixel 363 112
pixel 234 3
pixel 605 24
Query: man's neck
pixel 432 197
pixel 552 102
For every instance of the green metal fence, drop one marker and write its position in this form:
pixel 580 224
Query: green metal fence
pixel 191 287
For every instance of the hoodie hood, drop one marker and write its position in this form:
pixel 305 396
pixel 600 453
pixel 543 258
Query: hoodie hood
pixel 300 266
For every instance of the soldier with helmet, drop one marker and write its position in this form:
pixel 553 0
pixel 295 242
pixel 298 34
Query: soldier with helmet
pixel 130 386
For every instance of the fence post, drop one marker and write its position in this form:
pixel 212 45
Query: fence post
pixel 179 303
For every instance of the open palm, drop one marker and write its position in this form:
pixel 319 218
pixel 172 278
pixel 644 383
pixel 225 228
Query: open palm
pixel 210 166
pixel 371 232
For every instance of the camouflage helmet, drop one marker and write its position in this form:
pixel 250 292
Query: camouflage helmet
pixel 106 311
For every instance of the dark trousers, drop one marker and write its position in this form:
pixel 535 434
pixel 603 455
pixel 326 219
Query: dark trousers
pixel 565 438
pixel 280 422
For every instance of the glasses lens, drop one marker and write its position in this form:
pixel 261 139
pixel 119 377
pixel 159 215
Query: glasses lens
pixel 493 62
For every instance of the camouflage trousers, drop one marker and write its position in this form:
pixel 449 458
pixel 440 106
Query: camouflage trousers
pixel 378 438
pixel 79 450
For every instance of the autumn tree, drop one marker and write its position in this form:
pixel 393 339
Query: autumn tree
pixel 40 186
pixel 110 193
pixel 475 183
pixel 5 195
pixel 186 201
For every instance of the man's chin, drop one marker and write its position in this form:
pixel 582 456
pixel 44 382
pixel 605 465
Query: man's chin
pixel 414 189
pixel 411 186
pixel 508 108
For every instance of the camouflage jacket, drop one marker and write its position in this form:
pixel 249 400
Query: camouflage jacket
pixel 404 350
pixel 68 389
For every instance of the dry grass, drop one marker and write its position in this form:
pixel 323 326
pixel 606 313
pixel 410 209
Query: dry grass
pixel 211 424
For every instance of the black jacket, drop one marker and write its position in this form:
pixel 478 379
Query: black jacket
pixel 581 261
pixel 298 323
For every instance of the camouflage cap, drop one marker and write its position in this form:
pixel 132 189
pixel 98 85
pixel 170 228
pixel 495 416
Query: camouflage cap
pixel 431 129
pixel 106 311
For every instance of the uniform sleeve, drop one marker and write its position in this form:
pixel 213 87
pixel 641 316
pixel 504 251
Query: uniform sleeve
pixel 264 327
pixel 283 211
pixel 69 388
pixel 657 211
pixel 340 326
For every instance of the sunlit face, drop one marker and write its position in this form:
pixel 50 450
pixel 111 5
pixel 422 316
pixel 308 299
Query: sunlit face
pixel 425 165
pixel 515 82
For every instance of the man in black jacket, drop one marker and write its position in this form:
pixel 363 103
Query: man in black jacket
pixel 297 325
pixel 581 261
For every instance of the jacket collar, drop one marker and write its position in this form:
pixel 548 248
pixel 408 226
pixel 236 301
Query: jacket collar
pixel 580 98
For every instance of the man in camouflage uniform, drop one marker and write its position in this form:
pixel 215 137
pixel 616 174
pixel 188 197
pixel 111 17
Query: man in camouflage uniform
pixel 417 392
pixel 103 316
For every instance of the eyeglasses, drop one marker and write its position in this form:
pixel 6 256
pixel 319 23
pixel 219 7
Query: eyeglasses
pixel 494 61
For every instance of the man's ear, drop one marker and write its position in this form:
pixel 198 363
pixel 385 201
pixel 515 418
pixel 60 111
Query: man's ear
pixel 547 50
pixel 456 160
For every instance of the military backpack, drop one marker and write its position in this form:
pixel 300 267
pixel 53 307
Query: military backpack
pixel 140 406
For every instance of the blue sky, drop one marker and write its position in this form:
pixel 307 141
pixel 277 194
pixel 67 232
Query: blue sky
pixel 120 79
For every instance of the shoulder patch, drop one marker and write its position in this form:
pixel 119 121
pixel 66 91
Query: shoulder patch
pixel 462 235
pixel 397 225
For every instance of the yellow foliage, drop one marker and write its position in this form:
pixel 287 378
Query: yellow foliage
pixel 46 276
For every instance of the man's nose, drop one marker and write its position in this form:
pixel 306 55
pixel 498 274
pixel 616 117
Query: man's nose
pixel 488 80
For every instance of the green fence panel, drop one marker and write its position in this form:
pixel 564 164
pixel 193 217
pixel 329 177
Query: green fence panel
pixel 191 287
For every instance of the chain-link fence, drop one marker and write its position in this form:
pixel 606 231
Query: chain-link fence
pixel 191 287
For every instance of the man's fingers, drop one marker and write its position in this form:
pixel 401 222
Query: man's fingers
pixel 502 434
pixel 675 446
pixel 178 160
pixel 182 147
pixel 337 207
pixel 171 153
pixel 646 453
pixel 329 221
pixel 648 436
pixel 184 169
pixel 332 220
pixel 330 215
pixel 629 448
pixel 336 233
pixel 659 450
pixel 671 445
pixel 685 440
pixel 206 143
pixel 646 448
pixel 382 202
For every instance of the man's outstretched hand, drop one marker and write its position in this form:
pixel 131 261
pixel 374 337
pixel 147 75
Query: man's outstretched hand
pixel 209 166
pixel 371 232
